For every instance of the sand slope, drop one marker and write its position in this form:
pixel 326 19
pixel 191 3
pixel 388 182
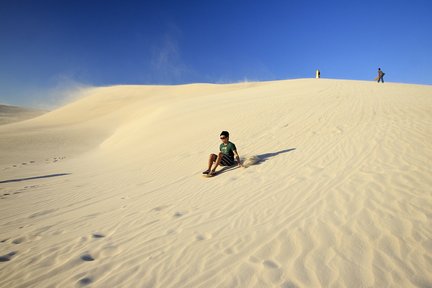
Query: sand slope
pixel 10 114
pixel 107 191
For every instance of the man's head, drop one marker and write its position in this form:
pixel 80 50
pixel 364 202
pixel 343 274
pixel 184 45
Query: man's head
pixel 224 136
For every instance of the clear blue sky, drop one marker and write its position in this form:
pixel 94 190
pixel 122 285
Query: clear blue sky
pixel 47 47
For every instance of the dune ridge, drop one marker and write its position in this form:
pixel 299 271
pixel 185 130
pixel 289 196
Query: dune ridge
pixel 107 191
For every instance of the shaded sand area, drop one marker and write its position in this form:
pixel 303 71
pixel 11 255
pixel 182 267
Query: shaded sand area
pixel 107 191
pixel 9 114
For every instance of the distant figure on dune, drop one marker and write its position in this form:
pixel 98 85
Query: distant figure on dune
pixel 318 74
pixel 225 157
pixel 380 75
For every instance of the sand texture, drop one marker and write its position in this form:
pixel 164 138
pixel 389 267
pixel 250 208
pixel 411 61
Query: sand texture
pixel 107 191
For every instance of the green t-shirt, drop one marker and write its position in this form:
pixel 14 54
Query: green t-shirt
pixel 228 149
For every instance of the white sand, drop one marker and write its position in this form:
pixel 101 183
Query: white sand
pixel 109 192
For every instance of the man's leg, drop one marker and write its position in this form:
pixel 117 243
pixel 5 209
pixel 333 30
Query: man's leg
pixel 218 160
pixel 212 158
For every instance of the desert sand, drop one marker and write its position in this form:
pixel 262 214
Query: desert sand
pixel 9 114
pixel 107 191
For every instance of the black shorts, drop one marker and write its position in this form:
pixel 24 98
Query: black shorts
pixel 226 160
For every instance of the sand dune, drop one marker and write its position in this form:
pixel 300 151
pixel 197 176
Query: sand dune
pixel 107 191
pixel 10 114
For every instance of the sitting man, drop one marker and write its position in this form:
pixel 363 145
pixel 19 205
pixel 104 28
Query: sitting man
pixel 225 156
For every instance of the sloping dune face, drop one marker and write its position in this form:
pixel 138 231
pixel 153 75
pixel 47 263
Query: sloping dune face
pixel 10 114
pixel 107 191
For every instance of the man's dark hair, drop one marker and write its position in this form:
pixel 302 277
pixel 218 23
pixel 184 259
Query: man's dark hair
pixel 224 133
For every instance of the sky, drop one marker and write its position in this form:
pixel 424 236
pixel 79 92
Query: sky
pixel 48 49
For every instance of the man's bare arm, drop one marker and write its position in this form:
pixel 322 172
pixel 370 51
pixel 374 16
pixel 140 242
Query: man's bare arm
pixel 237 158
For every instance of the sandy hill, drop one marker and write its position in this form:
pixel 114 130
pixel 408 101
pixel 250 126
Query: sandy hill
pixel 107 191
pixel 10 114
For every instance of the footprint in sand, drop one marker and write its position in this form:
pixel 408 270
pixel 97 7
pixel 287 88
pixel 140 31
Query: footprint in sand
pixel 42 213
pixel 18 240
pixel 7 257
pixel 203 236
pixel 159 208
pixel 270 264
pixel 272 271
pixel 179 214
pixel 171 232
pixel 98 235
pixel 87 257
pixel 85 281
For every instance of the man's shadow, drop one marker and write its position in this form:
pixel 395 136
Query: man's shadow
pixel 264 157
pixel 259 159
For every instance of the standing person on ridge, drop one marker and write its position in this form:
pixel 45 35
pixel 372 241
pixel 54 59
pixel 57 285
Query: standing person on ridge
pixel 380 75
pixel 225 157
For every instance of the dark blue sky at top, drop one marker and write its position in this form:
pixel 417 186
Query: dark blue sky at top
pixel 48 47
